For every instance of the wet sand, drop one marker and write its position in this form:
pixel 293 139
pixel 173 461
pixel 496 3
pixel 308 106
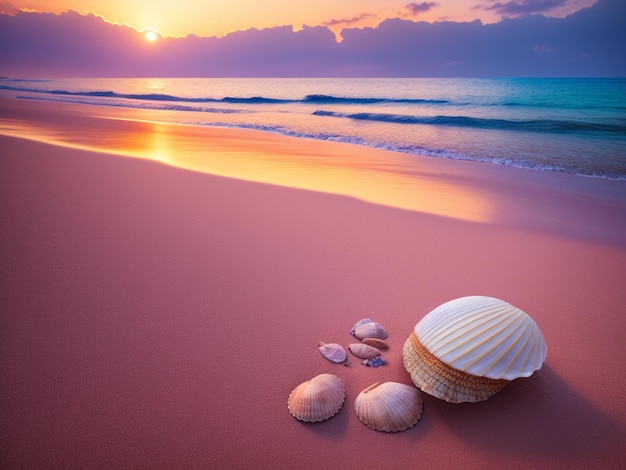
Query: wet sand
pixel 158 315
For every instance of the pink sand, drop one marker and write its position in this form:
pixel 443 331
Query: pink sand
pixel 157 317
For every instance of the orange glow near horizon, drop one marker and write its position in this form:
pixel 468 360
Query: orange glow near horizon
pixel 185 17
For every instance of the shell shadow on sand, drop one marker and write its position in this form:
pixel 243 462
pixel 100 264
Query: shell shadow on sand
pixel 334 429
pixel 550 419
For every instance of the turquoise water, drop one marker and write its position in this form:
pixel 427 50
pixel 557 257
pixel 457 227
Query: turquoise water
pixel 571 125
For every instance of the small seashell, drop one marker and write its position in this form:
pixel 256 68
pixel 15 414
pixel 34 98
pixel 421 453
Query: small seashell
pixel 317 399
pixel 377 343
pixel 333 352
pixel 467 349
pixel 370 330
pixel 359 323
pixel 389 407
pixel 363 350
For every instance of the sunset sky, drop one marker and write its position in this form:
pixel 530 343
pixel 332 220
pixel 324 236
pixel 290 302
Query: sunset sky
pixel 328 38
pixel 217 18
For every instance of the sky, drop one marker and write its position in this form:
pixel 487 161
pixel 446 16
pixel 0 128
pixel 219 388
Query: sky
pixel 220 17
pixel 345 38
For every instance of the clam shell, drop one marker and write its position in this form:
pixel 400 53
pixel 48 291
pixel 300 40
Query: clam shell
pixel 364 351
pixel 442 381
pixel 467 349
pixel 333 352
pixel 389 407
pixel 375 342
pixel 359 323
pixel 317 399
pixel 370 330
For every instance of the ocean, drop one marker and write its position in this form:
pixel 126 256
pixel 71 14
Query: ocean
pixel 572 125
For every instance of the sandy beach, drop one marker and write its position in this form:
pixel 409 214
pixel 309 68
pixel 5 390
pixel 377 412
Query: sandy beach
pixel 165 287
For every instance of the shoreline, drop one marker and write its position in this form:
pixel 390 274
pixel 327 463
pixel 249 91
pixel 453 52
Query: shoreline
pixel 556 143
pixel 467 190
pixel 158 317
pixel 490 161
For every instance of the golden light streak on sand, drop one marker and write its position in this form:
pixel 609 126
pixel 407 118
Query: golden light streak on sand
pixel 372 175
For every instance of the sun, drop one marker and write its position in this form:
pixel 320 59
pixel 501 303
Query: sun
pixel 150 36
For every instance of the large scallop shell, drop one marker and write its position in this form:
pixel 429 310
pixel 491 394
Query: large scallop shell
pixel 317 399
pixel 333 352
pixel 370 330
pixel 467 349
pixel 389 406
pixel 363 350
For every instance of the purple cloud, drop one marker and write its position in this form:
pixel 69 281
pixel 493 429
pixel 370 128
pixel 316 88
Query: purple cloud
pixel 524 7
pixel 415 9
pixel 585 43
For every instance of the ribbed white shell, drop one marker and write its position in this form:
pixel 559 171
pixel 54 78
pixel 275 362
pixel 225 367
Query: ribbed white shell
pixel 389 407
pixel 483 336
pixel 317 399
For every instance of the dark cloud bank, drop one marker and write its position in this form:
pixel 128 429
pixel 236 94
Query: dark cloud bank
pixel 586 43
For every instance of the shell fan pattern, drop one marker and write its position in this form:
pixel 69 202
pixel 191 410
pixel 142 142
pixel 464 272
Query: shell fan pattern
pixel 317 399
pixel 467 349
pixel 389 407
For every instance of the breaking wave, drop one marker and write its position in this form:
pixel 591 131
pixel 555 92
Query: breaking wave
pixel 317 99
pixel 535 125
